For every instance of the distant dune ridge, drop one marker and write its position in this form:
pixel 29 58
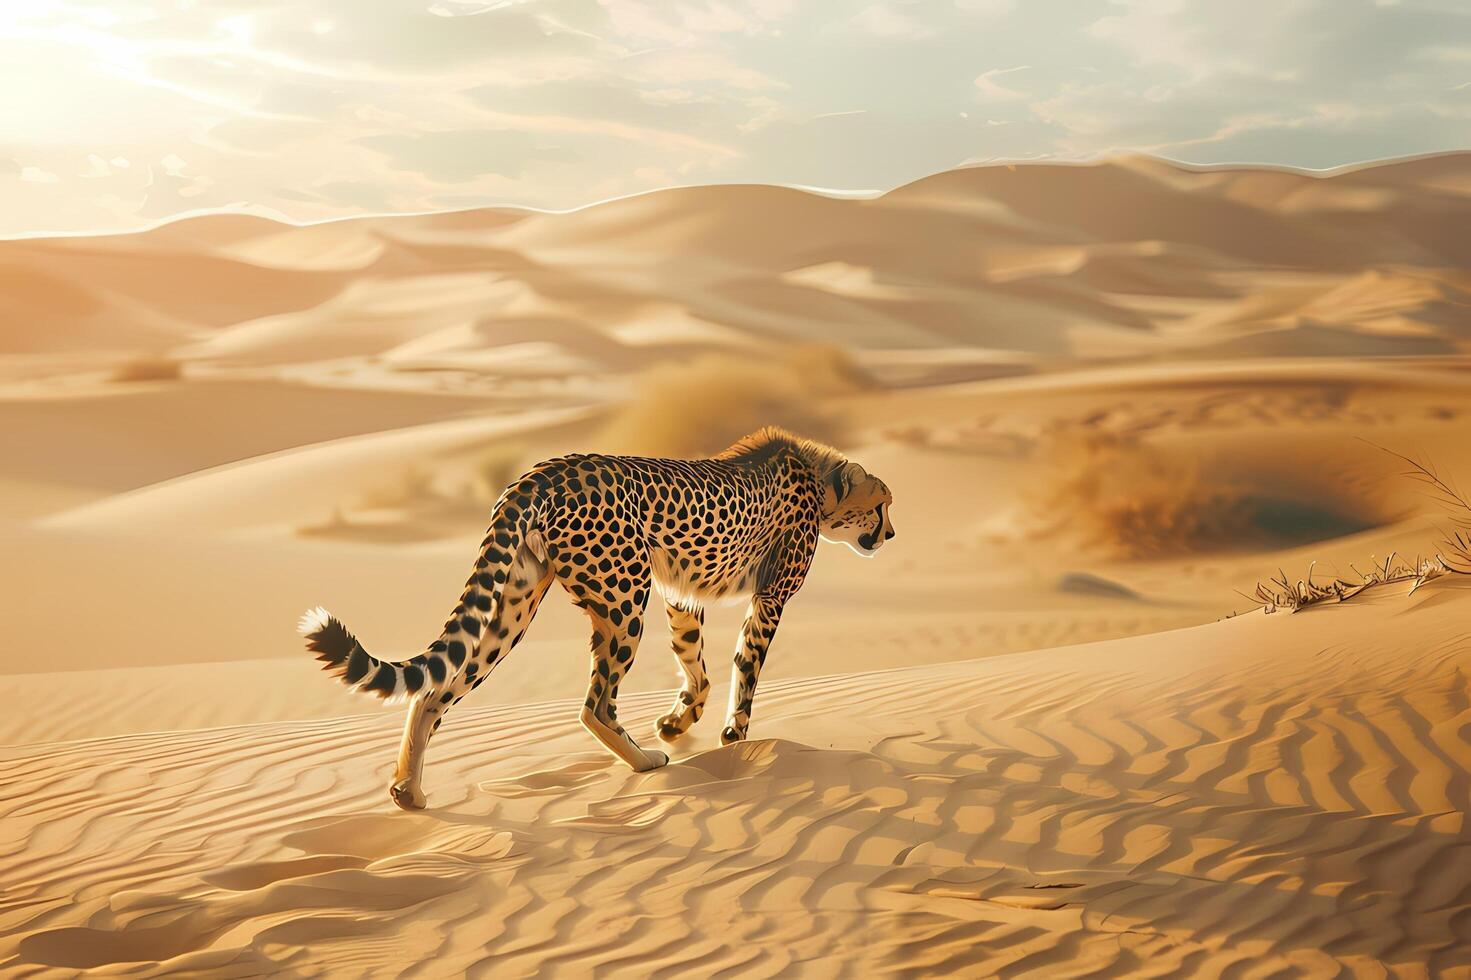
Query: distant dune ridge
pixel 1130 256
pixel 1028 739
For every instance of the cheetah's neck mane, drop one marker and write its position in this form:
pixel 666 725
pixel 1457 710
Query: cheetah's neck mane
pixel 822 458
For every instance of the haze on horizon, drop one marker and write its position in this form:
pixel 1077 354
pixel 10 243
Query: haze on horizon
pixel 121 113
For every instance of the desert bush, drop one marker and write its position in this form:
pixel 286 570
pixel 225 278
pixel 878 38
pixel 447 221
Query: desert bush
pixel 149 369
pixel 1134 499
pixel 495 468
pixel 405 485
pixel 703 406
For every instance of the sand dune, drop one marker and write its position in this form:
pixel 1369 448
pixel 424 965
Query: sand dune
pixel 1108 398
pixel 1053 261
pixel 281 490
pixel 124 436
pixel 1274 793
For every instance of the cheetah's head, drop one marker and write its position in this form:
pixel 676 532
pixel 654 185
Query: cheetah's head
pixel 856 509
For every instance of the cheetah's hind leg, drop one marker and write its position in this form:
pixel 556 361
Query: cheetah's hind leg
pixel 527 581
pixel 612 654
pixel 685 625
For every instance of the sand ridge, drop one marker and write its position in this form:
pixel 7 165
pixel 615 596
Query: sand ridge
pixel 1151 806
pixel 1122 257
pixel 1022 741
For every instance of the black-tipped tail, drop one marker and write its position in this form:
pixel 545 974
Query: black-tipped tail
pixel 343 657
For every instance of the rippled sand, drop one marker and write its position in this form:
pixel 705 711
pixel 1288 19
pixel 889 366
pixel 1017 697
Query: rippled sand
pixel 1022 740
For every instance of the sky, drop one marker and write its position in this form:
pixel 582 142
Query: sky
pixel 116 114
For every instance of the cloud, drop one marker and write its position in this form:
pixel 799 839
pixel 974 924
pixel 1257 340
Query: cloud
pixel 1211 83
pixel 987 8
pixel 685 24
pixel 457 156
pixel 378 35
pixel 988 88
pixel 890 22
pixel 324 108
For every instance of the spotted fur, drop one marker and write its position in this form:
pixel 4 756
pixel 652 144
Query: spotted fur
pixel 612 530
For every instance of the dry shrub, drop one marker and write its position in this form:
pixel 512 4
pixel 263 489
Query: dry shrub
pixel 1455 540
pixel 702 406
pixel 418 500
pixel 149 369
pixel 1135 499
pixel 1125 497
pixel 476 481
pixel 1281 592
pixel 400 487
pixel 495 469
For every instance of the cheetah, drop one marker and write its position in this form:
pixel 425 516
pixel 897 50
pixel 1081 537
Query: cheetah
pixel 611 530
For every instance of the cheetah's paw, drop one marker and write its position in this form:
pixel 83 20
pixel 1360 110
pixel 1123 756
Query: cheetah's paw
pixel 668 727
pixel 653 759
pixel 407 797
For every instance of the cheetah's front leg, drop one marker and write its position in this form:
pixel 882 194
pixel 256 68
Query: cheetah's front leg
pixel 760 627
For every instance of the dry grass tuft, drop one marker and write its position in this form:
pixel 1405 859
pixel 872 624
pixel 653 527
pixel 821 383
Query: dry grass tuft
pixel 1456 539
pixel 1281 592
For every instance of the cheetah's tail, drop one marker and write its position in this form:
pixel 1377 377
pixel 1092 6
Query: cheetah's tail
pixel 343 657
pixel 441 665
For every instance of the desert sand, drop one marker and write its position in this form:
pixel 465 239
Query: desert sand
pixel 1044 732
